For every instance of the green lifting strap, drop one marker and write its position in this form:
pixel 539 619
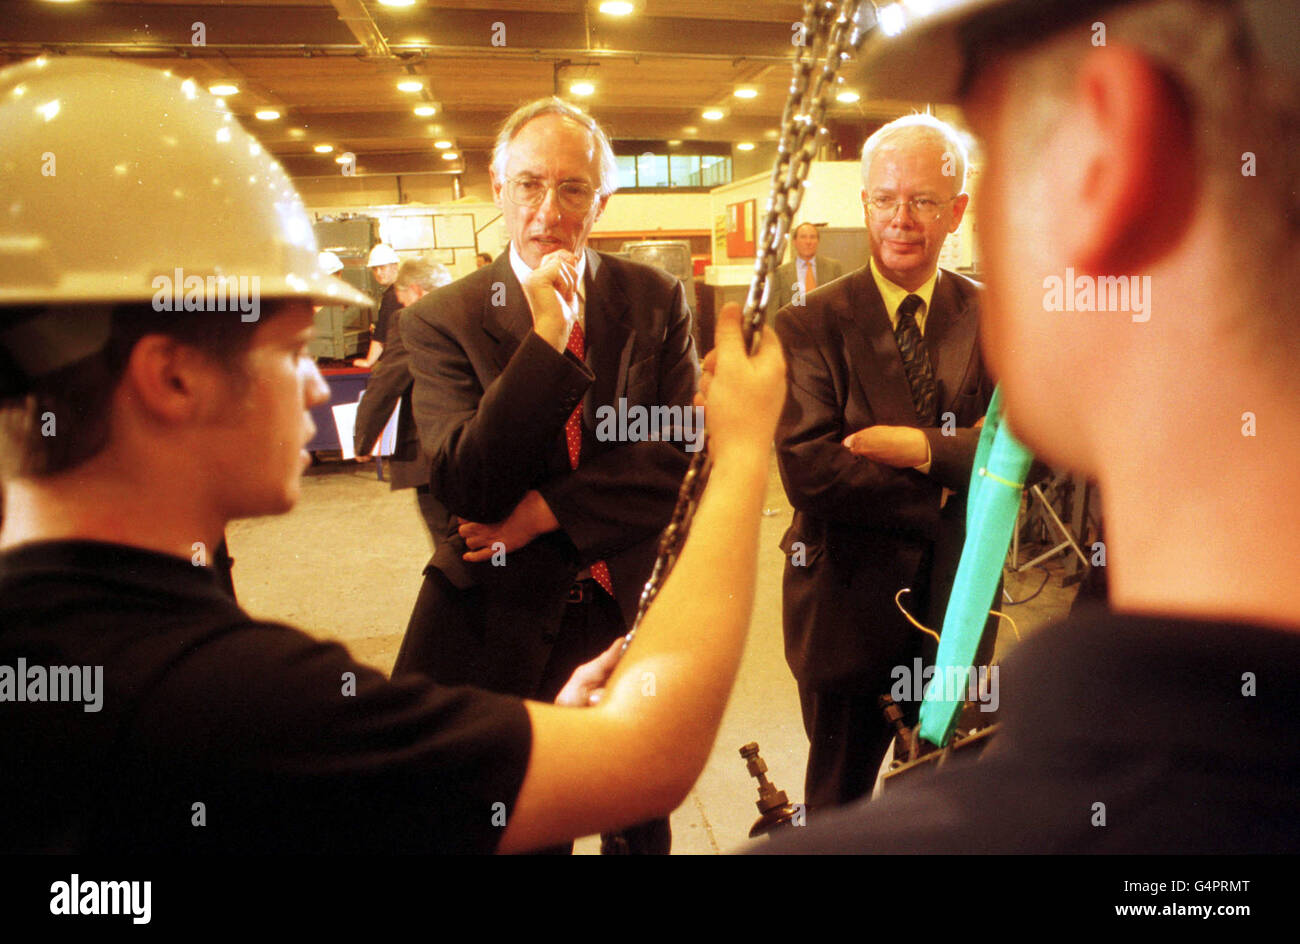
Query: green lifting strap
pixel 997 479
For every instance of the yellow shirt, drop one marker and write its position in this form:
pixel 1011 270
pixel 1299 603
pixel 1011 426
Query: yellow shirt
pixel 893 296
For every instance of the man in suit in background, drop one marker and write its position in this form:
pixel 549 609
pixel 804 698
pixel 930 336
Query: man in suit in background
pixel 806 269
pixel 389 384
pixel 875 449
pixel 556 521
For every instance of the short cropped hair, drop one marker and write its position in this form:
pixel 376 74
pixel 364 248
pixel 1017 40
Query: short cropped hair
pixel 423 273
pixel 78 397
pixel 556 106
pixel 919 127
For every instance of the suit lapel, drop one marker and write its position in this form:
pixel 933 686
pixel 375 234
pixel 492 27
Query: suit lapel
pixel 510 323
pixel 609 337
pixel 872 352
pixel 950 331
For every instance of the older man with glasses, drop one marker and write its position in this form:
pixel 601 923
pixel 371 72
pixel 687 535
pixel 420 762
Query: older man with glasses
pixel 875 450
pixel 554 521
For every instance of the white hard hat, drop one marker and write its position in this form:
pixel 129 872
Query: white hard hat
pixel 922 50
pixel 330 263
pixel 114 175
pixel 382 254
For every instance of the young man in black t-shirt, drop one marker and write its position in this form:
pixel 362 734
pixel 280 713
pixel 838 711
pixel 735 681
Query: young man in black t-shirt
pixel 140 708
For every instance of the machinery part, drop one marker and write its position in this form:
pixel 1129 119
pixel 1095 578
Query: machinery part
pixel 775 807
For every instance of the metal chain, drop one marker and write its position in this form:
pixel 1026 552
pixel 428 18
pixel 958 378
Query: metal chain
pixel 831 32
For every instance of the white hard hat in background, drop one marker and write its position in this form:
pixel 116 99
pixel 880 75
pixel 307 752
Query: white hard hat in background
pixel 382 254
pixel 330 263
pixel 114 174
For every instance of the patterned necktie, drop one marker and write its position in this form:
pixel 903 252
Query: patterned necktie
pixel 809 277
pixel 573 438
pixel 916 361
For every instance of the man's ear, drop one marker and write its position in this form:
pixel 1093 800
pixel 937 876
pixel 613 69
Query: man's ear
pixel 1127 192
pixel 600 205
pixel 959 210
pixel 168 379
pixel 496 190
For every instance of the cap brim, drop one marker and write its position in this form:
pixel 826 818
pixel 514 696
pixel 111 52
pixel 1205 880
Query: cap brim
pixel 925 61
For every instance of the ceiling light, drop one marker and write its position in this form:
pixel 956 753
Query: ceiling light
pixel 848 97
pixel 711 114
pixel 675 142
pixel 746 91
pixel 617 7
pixel 442 145
pixel 410 85
pixel 223 88
pixel 582 88
pixel 266 114
pixel 691 129
pixel 342 159
pixel 297 133
pixel 450 155
pixel 323 148
pixel 745 146
pixel 424 111
pixel 397 3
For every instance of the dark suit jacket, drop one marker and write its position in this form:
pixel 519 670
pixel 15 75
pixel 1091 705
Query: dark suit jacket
pixel 828 270
pixel 390 383
pixel 491 399
pixel 868 529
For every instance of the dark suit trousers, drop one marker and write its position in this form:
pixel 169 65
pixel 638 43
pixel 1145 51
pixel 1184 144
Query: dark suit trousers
pixel 848 736
pixel 590 624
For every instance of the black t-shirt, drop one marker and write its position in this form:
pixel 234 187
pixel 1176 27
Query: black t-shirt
pixel 288 744
pixel 388 307
pixel 1119 734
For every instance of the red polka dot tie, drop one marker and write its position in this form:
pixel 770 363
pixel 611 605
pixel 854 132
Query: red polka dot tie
pixel 573 438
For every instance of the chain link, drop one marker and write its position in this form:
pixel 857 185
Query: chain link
pixel 831 32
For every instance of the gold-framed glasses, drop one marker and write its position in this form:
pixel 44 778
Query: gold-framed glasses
pixel 573 196
pixel 923 209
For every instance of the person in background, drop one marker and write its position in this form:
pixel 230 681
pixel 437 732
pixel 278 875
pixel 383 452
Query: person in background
pixel 383 264
pixel 557 519
pixel 482 259
pixel 807 269
pixel 875 450
pixel 390 384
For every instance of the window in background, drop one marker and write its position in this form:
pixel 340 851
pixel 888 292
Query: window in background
pixel 626 170
pixel 684 170
pixel 652 170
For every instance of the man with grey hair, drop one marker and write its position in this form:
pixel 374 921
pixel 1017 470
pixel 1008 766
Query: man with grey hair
pixel 1165 133
pixel 390 384
pixel 554 526
pixel 875 449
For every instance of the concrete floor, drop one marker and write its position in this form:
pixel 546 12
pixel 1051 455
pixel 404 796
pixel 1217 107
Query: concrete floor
pixel 346 565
